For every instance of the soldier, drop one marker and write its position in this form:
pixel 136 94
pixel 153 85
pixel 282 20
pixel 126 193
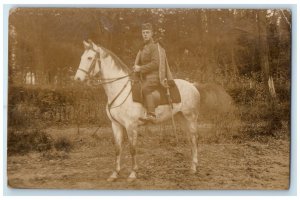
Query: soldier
pixel 147 63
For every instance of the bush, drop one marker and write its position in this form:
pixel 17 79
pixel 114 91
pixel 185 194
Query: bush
pixel 21 142
pixel 283 93
pixel 63 144
pixel 23 115
pixel 259 114
pixel 32 106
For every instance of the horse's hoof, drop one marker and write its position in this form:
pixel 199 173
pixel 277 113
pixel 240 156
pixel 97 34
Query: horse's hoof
pixel 113 177
pixel 131 177
pixel 193 169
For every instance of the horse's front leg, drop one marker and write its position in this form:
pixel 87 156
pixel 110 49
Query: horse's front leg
pixel 132 136
pixel 118 131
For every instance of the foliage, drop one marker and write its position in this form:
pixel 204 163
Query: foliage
pixel 261 117
pixel 63 144
pixel 48 42
pixel 36 106
pixel 29 140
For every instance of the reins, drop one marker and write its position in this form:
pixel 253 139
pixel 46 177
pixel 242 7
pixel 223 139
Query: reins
pixel 102 80
pixel 111 103
pixel 108 81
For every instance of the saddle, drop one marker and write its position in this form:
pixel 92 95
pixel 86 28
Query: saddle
pixel 160 95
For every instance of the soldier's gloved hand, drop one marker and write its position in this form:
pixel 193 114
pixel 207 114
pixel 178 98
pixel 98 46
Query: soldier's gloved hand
pixel 136 68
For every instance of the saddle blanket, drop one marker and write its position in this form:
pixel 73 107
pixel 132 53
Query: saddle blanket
pixel 137 95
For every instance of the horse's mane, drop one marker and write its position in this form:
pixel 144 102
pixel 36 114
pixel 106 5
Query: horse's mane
pixel 118 61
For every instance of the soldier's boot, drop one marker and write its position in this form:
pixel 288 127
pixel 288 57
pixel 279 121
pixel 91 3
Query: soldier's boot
pixel 150 116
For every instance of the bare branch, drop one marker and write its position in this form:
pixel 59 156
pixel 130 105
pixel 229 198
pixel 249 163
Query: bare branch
pixel 286 19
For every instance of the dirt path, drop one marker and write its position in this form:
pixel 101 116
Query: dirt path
pixel 247 165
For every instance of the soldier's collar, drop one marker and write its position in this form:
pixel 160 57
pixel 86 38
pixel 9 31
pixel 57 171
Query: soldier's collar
pixel 149 41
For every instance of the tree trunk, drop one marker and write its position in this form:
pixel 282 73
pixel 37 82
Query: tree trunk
pixel 274 121
pixel 263 45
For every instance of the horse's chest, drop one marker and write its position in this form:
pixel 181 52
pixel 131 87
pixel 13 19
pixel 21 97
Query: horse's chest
pixel 123 114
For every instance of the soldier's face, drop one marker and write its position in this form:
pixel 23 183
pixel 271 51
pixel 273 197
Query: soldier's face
pixel 147 35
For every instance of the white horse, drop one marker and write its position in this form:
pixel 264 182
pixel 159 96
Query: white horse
pixel 124 113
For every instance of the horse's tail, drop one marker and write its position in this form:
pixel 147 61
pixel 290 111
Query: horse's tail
pixel 214 100
pixel 197 85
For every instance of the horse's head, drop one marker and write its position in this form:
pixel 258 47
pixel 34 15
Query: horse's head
pixel 90 62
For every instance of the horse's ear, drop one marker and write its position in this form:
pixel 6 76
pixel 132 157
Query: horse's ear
pixel 86 45
pixel 102 52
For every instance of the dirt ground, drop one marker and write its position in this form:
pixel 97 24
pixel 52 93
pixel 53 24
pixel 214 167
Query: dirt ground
pixel 163 164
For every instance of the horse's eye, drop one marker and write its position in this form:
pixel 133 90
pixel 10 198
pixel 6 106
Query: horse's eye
pixel 90 58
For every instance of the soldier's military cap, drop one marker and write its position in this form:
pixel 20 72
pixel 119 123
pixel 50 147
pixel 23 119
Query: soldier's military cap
pixel 147 26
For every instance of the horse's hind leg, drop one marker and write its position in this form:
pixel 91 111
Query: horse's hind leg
pixel 118 131
pixel 132 137
pixel 189 124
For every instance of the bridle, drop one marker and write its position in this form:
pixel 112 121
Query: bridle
pixel 102 81
pixel 92 68
pixel 93 65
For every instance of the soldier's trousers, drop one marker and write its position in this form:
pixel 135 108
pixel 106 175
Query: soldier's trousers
pixel 147 92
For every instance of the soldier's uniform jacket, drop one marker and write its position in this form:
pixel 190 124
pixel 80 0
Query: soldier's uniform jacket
pixel 148 59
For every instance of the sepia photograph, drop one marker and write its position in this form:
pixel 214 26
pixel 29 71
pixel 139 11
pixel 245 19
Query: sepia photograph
pixel 149 98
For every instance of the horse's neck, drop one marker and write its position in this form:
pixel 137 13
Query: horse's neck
pixel 110 72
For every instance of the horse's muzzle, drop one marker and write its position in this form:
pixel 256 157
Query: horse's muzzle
pixel 77 79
